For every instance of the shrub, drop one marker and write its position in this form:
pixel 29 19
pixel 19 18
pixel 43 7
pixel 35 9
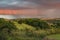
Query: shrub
pixel 35 22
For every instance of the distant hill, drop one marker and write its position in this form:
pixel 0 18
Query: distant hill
pixel 50 18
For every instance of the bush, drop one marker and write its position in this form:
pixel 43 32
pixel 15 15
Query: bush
pixel 35 23
pixel 26 29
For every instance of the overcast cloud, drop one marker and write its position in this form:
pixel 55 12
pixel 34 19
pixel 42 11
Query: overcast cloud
pixel 46 8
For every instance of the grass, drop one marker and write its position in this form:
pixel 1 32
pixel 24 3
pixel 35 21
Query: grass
pixel 54 36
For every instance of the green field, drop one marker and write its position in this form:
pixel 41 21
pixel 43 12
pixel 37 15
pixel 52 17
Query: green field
pixel 54 36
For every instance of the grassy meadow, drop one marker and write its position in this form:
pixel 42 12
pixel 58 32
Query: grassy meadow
pixel 54 36
pixel 29 29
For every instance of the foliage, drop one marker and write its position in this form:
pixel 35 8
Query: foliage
pixel 26 29
pixel 35 23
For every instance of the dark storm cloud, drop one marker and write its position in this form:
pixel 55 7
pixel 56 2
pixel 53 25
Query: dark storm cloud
pixel 27 3
pixel 17 3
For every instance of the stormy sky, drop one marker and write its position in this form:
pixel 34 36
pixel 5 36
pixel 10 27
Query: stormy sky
pixel 40 8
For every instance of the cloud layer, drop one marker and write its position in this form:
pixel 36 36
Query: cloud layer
pixel 29 3
pixel 17 3
pixel 41 8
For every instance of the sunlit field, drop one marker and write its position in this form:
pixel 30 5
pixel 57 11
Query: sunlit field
pixel 54 36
